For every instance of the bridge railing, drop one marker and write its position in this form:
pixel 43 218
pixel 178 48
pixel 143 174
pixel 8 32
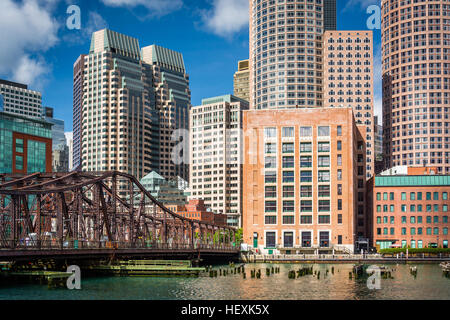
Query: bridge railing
pixel 91 245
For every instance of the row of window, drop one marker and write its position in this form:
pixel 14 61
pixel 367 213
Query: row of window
pixel 413 231
pixel 412 219
pixel 414 208
pixel 414 196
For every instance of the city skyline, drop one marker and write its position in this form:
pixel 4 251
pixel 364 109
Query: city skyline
pixel 209 44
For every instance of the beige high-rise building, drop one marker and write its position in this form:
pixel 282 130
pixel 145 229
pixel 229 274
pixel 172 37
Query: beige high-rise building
pixel 242 80
pixel 173 100
pixel 416 83
pixel 119 120
pixel 216 155
pixel 348 81
pixel 286 68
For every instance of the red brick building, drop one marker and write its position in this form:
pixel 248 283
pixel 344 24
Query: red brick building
pixel 196 210
pixel 409 208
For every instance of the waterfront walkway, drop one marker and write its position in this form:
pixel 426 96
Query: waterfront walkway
pixel 341 258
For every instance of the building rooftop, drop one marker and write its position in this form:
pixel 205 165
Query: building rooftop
pixel 13 84
pixel 412 181
pixel 164 57
pixel 225 98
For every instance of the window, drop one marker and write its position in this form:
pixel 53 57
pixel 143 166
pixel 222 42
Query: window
pixel 270 132
pixel 323 131
pixel 324 176
pixel 403 231
pixel 435 231
pixel 306 219
pixel 288 192
pixel 306 191
pixel 444 196
pixel 305 161
pixel 270 162
pixel 305 131
pixel 324 219
pixel 288 177
pixel 412 219
pixel 270 148
pixel 419 195
pixel 403 195
pixel 270 239
pixel 339 145
pixel 306 147
pixel 339 204
pixel 339 131
pixel 19 145
pixel 288 147
pixel 435 195
pixel 306 176
pixel 288 219
pixel 391 196
pixel 271 192
pixel 428 195
pixel 339 160
pixel 324 237
pixel 270 220
pixel 378 196
pixel 288 206
pixel 339 174
pixel 385 196
pixel 324 161
pixel 324 191
pixel 288 238
pixel 412 196
pixel 324 205
pixel 288 162
pixel 271 206
pixel 19 163
pixel 306 206
pixel 306 239
pixel 324 147
pixel 288 132
pixel 271 177
pixel 339 189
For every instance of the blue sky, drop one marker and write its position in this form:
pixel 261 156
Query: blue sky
pixel 39 49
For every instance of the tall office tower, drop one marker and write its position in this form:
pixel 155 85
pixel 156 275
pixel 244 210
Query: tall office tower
pixel 242 81
pixel 216 152
pixel 348 81
pixel 173 100
pixel 78 80
pixel 299 180
pixel 18 99
pixel 416 83
pixel 119 123
pixel 286 52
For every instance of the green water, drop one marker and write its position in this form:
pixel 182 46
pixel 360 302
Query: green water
pixel 429 284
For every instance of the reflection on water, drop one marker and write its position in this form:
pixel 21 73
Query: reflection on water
pixel 429 284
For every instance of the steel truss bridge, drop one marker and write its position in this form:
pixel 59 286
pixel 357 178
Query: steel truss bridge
pixel 97 214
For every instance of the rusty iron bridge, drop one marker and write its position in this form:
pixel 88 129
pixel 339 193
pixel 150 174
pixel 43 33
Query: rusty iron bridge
pixel 98 215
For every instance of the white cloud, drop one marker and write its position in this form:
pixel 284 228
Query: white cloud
pixel 227 17
pixel 154 7
pixel 26 30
